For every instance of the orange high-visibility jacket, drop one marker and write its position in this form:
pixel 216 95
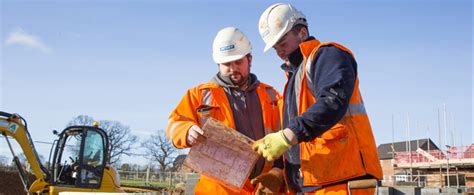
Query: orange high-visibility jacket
pixel 211 95
pixel 347 150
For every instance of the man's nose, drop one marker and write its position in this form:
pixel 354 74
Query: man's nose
pixel 281 53
pixel 232 67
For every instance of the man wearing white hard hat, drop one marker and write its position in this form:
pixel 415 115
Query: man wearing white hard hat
pixel 326 141
pixel 235 97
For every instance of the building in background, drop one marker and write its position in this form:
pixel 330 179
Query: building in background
pixel 421 163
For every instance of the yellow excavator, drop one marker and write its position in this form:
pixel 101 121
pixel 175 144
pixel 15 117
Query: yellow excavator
pixel 77 164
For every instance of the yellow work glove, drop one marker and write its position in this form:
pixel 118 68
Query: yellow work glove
pixel 272 146
pixel 270 182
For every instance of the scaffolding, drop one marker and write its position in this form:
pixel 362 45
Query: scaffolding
pixel 419 167
pixel 454 156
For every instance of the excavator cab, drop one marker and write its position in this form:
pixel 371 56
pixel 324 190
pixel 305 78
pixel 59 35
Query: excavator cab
pixel 79 157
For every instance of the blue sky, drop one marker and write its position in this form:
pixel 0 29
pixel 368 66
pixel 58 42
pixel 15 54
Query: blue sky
pixel 132 61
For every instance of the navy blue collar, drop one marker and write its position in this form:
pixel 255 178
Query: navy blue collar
pixel 295 57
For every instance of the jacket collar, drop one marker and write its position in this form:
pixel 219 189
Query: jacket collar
pixel 297 56
pixel 307 46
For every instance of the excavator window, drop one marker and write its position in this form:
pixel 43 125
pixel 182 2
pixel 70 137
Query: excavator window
pixel 92 159
pixel 68 160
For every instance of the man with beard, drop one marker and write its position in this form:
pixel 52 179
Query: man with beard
pixel 236 98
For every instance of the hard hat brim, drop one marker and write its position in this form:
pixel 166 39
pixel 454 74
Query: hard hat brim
pixel 220 60
pixel 276 38
pixel 267 47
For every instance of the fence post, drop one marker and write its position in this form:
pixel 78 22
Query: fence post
pixel 171 179
pixel 457 178
pixel 419 178
pixel 147 174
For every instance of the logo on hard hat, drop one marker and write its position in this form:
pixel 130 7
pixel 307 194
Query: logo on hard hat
pixel 265 33
pixel 227 48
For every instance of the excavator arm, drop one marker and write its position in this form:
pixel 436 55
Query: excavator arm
pixel 14 126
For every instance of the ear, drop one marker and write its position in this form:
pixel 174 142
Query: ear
pixel 303 34
pixel 249 58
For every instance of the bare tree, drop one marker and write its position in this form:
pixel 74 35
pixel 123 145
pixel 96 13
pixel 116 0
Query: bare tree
pixel 159 148
pixel 121 140
pixel 3 161
pixel 125 167
pixel 178 162
pixel 81 120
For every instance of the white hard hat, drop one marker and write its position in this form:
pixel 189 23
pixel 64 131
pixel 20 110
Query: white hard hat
pixel 230 44
pixel 276 21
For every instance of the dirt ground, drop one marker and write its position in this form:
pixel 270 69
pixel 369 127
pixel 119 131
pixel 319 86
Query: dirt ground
pixel 10 183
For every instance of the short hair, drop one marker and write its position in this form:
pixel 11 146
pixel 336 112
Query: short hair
pixel 298 27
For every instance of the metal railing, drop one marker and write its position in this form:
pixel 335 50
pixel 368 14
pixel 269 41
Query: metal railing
pixel 425 180
pixel 155 178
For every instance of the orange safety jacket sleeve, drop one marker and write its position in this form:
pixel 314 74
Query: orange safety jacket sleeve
pixel 182 118
pixel 333 73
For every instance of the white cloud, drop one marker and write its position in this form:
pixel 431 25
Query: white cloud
pixel 23 38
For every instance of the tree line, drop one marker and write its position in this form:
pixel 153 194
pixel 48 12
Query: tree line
pixel 162 155
pixel 157 148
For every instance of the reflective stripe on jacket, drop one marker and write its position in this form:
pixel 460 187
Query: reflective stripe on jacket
pixel 347 150
pixel 213 98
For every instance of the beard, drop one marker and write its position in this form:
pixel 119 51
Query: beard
pixel 237 78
